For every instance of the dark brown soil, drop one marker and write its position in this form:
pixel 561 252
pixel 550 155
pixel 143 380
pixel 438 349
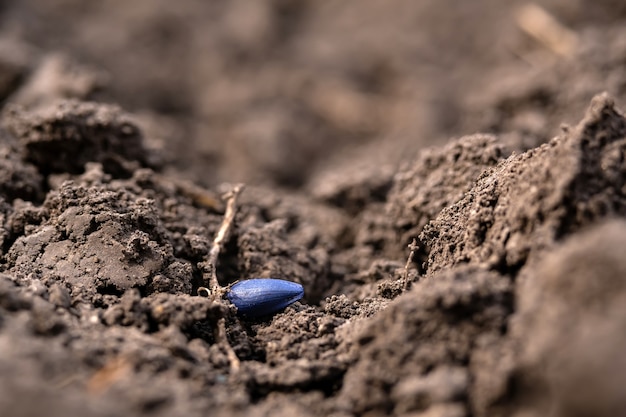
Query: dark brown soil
pixel 354 125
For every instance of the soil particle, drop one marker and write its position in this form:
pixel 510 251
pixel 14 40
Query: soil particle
pixel 532 200
pixel 57 76
pixel 572 361
pixel 265 252
pixel 438 178
pixel 15 61
pixel 307 334
pixel 309 223
pixel 116 239
pixel 353 188
pixel 423 340
pixel 77 133
pixel 18 179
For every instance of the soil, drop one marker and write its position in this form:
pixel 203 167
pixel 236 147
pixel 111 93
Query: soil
pixel 358 128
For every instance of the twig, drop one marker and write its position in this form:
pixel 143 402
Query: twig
pixel 222 235
pixel 413 247
pixel 545 28
pixel 220 337
pixel 199 195
pixel 209 271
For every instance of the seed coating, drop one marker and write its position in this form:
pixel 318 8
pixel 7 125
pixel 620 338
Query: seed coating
pixel 264 296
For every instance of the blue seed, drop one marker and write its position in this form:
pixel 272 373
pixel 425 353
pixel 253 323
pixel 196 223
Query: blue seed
pixel 264 296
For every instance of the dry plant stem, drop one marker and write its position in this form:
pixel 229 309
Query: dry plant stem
pixel 413 247
pixel 545 28
pixel 211 275
pixel 220 336
pixel 222 236
pixel 201 196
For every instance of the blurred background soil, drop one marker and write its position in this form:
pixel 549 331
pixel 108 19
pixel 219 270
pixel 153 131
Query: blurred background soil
pixel 477 128
pixel 279 92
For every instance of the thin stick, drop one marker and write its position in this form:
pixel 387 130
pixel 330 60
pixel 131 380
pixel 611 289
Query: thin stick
pixel 222 235
pixel 220 337
pixel 413 247
pixel 545 28
pixel 209 271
